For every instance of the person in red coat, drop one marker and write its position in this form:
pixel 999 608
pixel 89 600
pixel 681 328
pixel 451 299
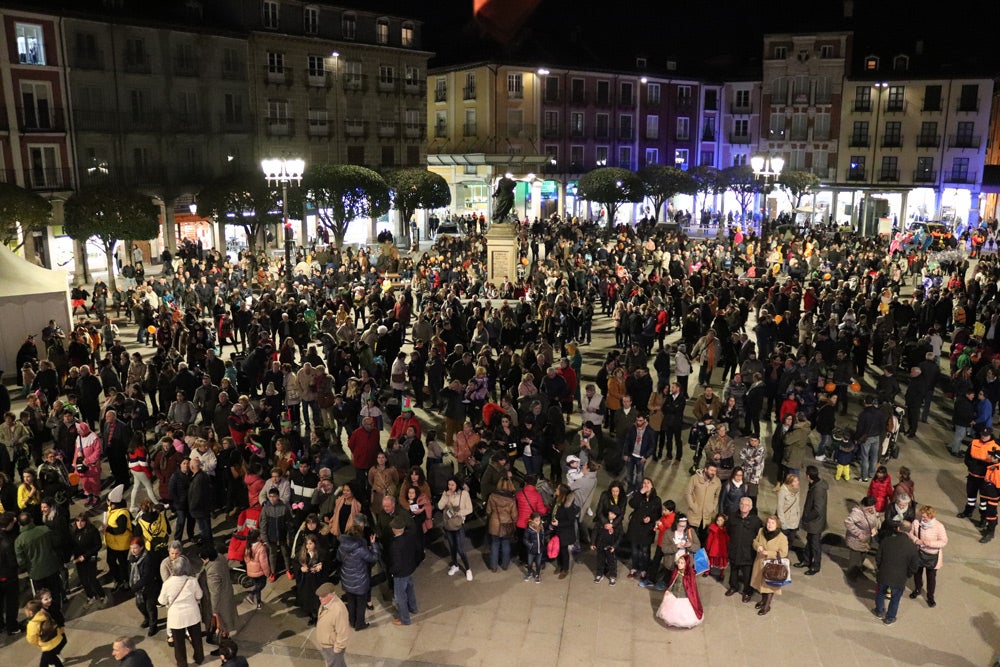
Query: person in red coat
pixel 364 445
pixel 717 546
pixel 880 488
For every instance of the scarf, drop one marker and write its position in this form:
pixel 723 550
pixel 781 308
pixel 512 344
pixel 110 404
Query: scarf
pixel 770 534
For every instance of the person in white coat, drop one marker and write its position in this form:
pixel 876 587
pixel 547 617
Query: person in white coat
pixel 181 595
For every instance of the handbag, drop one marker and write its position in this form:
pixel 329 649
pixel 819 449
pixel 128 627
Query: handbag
pixel 214 633
pixel 552 551
pixel 507 530
pixel 776 572
pixel 701 561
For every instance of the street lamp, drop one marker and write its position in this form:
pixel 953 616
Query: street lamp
pixel 766 169
pixel 285 171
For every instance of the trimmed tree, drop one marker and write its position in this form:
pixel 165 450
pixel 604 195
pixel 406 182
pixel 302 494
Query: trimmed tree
pixel 796 184
pixel 740 180
pixel 706 180
pixel 663 182
pixel 342 192
pixel 21 211
pixel 611 187
pixel 109 215
pixel 244 200
pixel 416 188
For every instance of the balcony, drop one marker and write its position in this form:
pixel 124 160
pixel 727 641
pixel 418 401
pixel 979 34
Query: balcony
pixel 411 87
pixel 318 129
pixel 515 94
pixel 602 132
pixel 469 130
pixel 187 67
pixel 469 93
pixel 856 175
pixel 892 141
pixel 737 109
pixel 968 105
pixel 653 134
pixel 862 106
pixel 890 175
pixel 924 176
pixel 41 119
pixel 928 140
pixel 144 176
pixel 414 130
pixel 858 141
pixel 603 100
pixel 94 121
pixel 45 178
pixel 441 131
pixel 626 134
pixel 356 128
pixel 440 94
pixel 959 177
pixel 895 106
pixel 551 97
pixel 964 141
pixel 578 97
pixel 142 122
pixel 234 124
pixel 91 60
pixel 550 131
pixel 685 103
pixel 278 76
pixel 319 78
pixel 279 127
pixel 387 129
pixel 739 139
pixel 355 83
pixel 137 63
pixel 931 105
pixel 387 85
pixel 683 137
pixel 626 100
pixel 577 132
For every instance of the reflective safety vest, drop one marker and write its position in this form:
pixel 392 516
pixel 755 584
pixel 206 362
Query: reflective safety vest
pixel 156 533
pixel 118 542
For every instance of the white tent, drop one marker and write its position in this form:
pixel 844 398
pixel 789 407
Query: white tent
pixel 30 296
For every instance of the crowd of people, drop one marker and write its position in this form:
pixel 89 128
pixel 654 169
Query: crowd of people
pixel 332 425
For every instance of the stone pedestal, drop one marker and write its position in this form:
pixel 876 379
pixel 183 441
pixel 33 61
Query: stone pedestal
pixel 501 253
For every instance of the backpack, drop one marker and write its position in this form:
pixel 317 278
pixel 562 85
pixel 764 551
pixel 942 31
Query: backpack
pixel 47 628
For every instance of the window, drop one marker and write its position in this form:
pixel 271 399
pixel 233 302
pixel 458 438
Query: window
pixel 625 127
pixel 932 98
pixel 627 98
pixel 741 129
pixel 469 91
pixel 800 127
pixel 382 31
pixel 777 127
pixel 780 90
pixel 652 156
pixel 963 135
pixel 959 170
pixel 138 105
pixel 797 159
pixel 141 159
pixel 640 63
pixel 406 34
pixel 352 74
pixel 625 157
pixel 603 92
pixel 349 25
pixel 36 112
pixel 386 75
pixel 801 89
pixel 551 126
pixel 863 98
pixel 892 138
pixel 708 129
pixel 576 124
pixel 969 98
pixel 441 89
pixel 780 52
pixel 515 122
pixel 270 10
pixel 683 95
pixel 821 161
pixel 316 66
pixel 515 89
pixel 601 156
pixel 890 168
pixel 928 134
pixel 576 157
pixel 871 63
pixel 683 128
pixel 318 120
pixel 276 67
pixel 601 126
pixel 711 100
pixel 470 123
pixel 821 127
pixel 30 44
pixel 231 63
pixel 186 103
pixel 826 51
pixel 925 170
pixel 901 63
pixel 739 159
pixel 310 20
pixel 859 133
pixel 412 117
pixel 551 151
pixel 895 100
pixel 441 124
pixel 707 158
pixel 652 127
pixel 86 48
pixel 681 158
pixel 412 75
pixel 856 170
pixel 551 89
pixel 277 111
pixel 653 93
pixel 136 58
pixel 232 108
pixel 577 88
pixel 824 90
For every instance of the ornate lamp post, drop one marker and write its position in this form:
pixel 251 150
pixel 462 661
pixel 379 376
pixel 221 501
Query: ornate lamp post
pixel 766 169
pixel 285 171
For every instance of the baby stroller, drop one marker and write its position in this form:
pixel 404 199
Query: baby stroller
pixel 890 443
pixel 247 521
pixel 697 439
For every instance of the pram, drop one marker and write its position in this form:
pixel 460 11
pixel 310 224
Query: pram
pixel 890 443
pixel 248 520
pixel 697 439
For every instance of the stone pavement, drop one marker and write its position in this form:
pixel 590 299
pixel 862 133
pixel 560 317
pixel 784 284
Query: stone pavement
pixel 500 620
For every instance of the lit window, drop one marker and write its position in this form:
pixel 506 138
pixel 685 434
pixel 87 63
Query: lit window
pixel 382 31
pixel 30 44
pixel 407 34
pixel 871 63
pixel 270 10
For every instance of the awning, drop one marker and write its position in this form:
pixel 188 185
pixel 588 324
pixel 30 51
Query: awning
pixel 503 161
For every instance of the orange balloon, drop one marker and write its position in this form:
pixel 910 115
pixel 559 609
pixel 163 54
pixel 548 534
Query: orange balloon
pixel 830 387
pixel 74 479
pixel 524 261
pixel 777 319
pixel 855 386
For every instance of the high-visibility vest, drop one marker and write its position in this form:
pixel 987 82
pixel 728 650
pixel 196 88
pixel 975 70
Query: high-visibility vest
pixel 118 542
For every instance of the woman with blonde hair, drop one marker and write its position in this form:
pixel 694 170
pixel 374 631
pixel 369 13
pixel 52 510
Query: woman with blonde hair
pixel 769 544
pixel 931 538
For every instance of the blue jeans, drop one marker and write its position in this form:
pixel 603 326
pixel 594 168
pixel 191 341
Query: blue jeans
pixel 499 551
pixel 535 564
pixel 179 522
pixel 825 446
pixel 532 464
pixel 897 595
pixel 456 546
pixel 204 530
pixel 868 457
pixel 633 472
pixel 405 597
pixel 956 441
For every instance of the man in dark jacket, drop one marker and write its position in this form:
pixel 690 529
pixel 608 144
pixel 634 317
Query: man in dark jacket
pixel 868 434
pixel 116 436
pixel 915 394
pixel 124 651
pixel 404 557
pixel 645 511
pixel 963 419
pixel 200 500
pixel 638 444
pixel 673 423
pixel 814 520
pixel 898 559
pixel 144 582
pixel 742 529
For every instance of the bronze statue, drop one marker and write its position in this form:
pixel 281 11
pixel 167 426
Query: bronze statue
pixel 504 199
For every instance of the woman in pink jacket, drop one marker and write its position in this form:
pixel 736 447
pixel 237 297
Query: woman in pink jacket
pixel 87 463
pixel 930 537
pixel 258 566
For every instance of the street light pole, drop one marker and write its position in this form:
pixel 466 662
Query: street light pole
pixel 767 169
pixel 285 171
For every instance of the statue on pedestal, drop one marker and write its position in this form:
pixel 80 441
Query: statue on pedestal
pixel 504 200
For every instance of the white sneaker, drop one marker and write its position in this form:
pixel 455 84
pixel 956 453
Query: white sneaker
pixel 821 458
pixel 468 575
pixel 452 570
